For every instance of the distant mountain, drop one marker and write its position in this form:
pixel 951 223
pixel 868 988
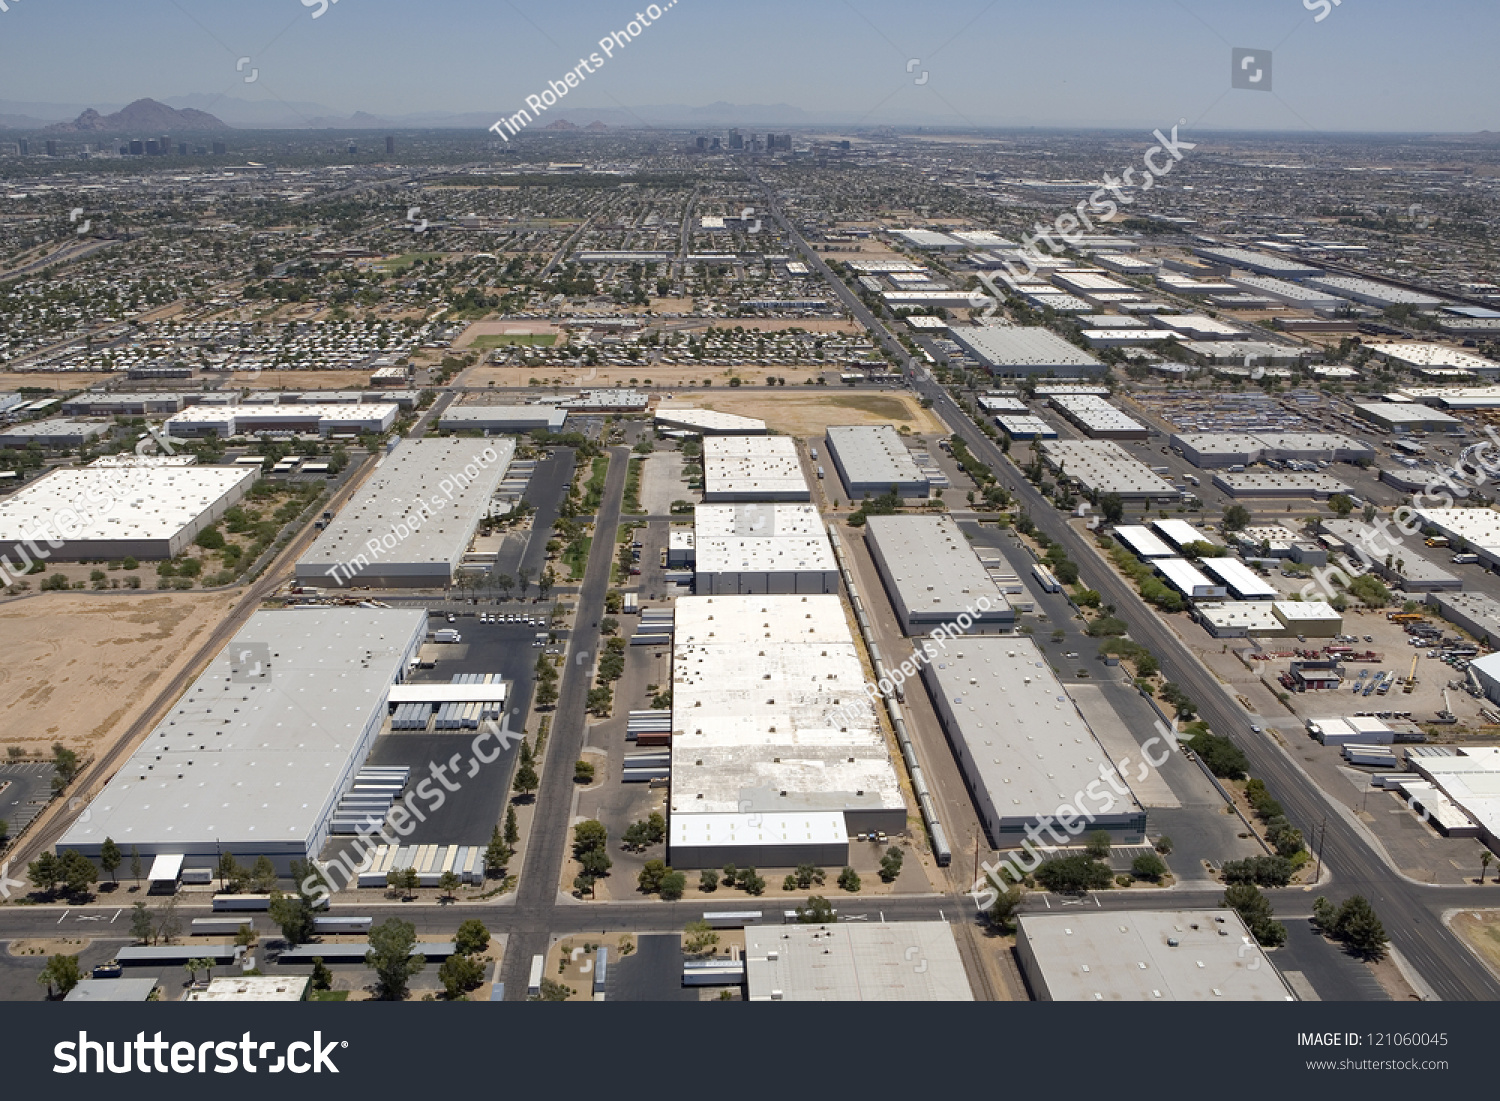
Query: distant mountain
pixel 560 124
pixel 21 122
pixel 255 114
pixel 144 116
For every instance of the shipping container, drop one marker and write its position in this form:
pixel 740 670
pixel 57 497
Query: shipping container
pixel 538 965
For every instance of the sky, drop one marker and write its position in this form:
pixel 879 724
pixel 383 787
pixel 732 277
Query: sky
pixel 1368 65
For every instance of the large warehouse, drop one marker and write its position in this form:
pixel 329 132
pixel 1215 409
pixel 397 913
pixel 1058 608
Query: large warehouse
pixel 752 468
pixel 411 522
pixel 299 419
pixel 933 576
pixel 253 759
pixel 496 419
pixel 1146 956
pixel 770 717
pixel 150 509
pixel 1024 747
pixel 873 459
pixel 1098 419
pixel 1014 351
pixel 762 548
pixel 906 961
pixel 707 422
pixel 1103 466
pixel 1408 416
pixel 1208 450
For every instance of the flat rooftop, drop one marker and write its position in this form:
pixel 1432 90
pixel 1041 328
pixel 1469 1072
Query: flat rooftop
pixel 708 421
pixel 1031 747
pixel 1095 414
pixel 1278 483
pixel 1105 466
pixel 873 455
pixel 521 416
pixel 747 466
pixel 1239 578
pixel 768 697
pixel 1009 347
pixel 1147 956
pixel 115 503
pixel 417 472
pixel 1480 527
pixel 1142 543
pixel 256 750
pixel 855 962
pixel 761 538
pixel 932 568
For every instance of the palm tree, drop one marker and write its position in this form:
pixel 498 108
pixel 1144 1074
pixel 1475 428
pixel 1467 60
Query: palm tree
pixel 1484 864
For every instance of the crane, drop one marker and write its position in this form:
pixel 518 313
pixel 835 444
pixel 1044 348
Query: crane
pixel 1411 678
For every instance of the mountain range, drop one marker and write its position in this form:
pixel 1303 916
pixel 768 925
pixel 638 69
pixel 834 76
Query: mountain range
pixel 144 116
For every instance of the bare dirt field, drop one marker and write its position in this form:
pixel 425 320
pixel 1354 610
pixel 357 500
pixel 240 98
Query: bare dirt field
pixel 810 413
pixel 504 328
pixel 77 669
pixel 54 380
pixel 679 379
pixel 306 380
pixel 1480 930
pixel 772 324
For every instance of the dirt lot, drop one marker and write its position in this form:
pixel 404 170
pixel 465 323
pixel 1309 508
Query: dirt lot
pixel 1480 930
pixel 808 414
pixel 77 669
pixel 772 324
pixel 54 380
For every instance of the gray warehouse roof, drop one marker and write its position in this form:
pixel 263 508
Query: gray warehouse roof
pixel 930 570
pixel 855 963
pixel 257 747
pixel 1146 956
pixel 417 472
pixel 873 455
pixel 1009 347
pixel 1105 466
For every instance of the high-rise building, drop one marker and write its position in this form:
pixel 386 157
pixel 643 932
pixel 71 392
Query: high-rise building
pixel 25 147
pixel 51 148
pixel 353 149
pixel 716 146
pixel 137 147
pixel 182 149
pixel 164 145
pixel 736 141
pixel 153 147
pixel 702 144
pixel 219 149
pixel 390 146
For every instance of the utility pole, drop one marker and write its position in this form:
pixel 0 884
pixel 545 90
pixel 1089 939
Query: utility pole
pixel 1323 836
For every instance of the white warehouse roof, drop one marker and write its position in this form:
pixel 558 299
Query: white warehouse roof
pixel 748 468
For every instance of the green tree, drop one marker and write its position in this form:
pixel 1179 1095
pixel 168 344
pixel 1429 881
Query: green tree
pixel 1148 866
pixel 1073 875
pixel 322 977
pixel 405 880
pixel 526 780
pixel 44 872
pixel 1002 912
pixel 141 925
pixel 890 864
pixel 109 856
pixel 231 874
pixel 1485 858
pixel 1236 518
pixel 750 881
pixel 472 937
pixel 1255 909
pixel 672 885
pixel 263 875
pixel 1097 844
pixel 77 872
pixel 512 829
pixel 390 957
pixel 1113 507
pixel 135 865
pixel 583 772
pixel 650 877
pixel 1342 504
pixel 708 881
pixel 497 853
pixel 460 974
pixel 448 883
pixel 1357 926
pixel 64 763
pixel 818 911
pixel 293 915
pixel 62 972
pixel 554 991
pixel 699 938
pixel 849 880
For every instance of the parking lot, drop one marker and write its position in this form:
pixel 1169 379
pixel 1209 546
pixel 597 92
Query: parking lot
pixel 25 790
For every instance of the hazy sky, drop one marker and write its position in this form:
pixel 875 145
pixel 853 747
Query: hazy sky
pixel 1404 65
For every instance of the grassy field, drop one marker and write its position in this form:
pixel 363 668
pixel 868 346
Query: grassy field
pixel 576 557
pixel 538 340
pixel 407 259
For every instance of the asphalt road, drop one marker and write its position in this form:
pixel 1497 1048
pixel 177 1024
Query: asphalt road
pixel 531 917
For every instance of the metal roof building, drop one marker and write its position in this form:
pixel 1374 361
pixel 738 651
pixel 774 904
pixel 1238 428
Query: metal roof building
pixel 762 548
pixel 411 522
pixel 908 961
pixel 1242 582
pixel 304 419
pixel 1370 293
pixel 1477 528
pixel 1188 580
pixel 1180 533
pixel 1141 543
pixel 932 574
pixel 752 468
pixel 1104 466
pixel 1474 612
pixel 1262 263
pixel 1098 419
pixel 1023 745
pixel 707 422
pixel 149 509
pixel 1020 351
pixel 1408 416
pixel 1207 450
pixel 770 715
pixel 502 418
pixel 1146 956
pixel 56 432
pixel 253 758
pixel 1278 483
pixel 873 459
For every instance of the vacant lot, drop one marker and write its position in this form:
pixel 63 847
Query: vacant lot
pixel 808 412
pixel 78 669
pixel 61 381
pixel 481 334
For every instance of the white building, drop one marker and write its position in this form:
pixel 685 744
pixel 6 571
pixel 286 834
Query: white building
pixel 494 419
pixel 1103 466
pixel 1021 351
pixel 253 758
pixel 707 422
pixel 149 509
pixel 752 468
pixel 296 419
pixel 933 576
pixel 907 961
pixel 750 548
pixel 770 716
pixel 873 459
pixel 413 519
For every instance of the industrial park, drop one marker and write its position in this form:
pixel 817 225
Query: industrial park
pixel 748 554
